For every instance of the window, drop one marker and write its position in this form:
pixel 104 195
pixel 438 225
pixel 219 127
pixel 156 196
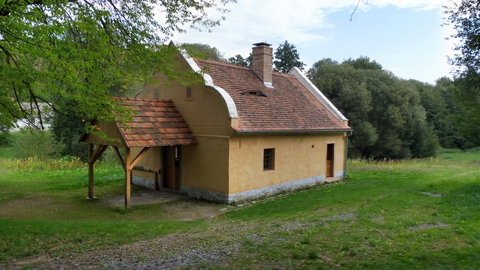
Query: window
pixel 268 159
pixel 189 92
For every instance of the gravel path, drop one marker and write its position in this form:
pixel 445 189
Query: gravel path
pixel 174 251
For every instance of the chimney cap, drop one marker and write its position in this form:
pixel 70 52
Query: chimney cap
pixel 262 44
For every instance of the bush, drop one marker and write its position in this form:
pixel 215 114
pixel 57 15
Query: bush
pixel 4 135
pixel 29 143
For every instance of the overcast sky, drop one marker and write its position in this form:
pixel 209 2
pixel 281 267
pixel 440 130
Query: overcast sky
pixel 404 36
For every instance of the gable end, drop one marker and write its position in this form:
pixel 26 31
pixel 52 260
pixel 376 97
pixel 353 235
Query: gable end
pixel 232 108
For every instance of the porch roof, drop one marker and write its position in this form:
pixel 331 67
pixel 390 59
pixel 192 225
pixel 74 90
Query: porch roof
pixel 154 123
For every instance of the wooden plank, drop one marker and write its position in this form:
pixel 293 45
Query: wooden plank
pixel 128 178
pixel 90 173
pixel 138 157
pixel 98 153
pixel 119 156
pixel 157 182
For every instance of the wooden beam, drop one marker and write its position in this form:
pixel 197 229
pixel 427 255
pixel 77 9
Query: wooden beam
pixel 157 181
pixel 138 157
pixel 90 173
pixel 120 158
pixel 128 177
pixel 98 153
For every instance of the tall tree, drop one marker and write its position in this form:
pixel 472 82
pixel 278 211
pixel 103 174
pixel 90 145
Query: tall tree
pixel 74 53
pixel 286 57
pixel 203 51
pixel 240 60
pixel 465 18
pixel 385 112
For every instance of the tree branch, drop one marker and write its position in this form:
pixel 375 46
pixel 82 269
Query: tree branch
pixel 9 5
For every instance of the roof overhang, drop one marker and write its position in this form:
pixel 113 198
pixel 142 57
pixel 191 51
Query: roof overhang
pixel 293 131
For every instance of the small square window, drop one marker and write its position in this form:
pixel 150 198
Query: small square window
pixel 189 92
pixel 268 159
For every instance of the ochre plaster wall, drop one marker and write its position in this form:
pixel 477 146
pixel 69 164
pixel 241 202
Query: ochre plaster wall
pixel 204 165
pixel 152 160
pixel 296 157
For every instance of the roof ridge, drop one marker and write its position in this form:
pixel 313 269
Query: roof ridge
pixel 220 63
pixel 277 73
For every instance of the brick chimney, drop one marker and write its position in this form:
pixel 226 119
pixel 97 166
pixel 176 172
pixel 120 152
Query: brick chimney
pixel 262 62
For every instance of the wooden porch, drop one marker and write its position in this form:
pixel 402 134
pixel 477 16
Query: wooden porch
pixel 155 123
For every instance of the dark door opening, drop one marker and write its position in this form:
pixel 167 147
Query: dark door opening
pixel 330 158
pixel 171 167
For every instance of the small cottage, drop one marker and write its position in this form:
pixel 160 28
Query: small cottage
pixel 245 132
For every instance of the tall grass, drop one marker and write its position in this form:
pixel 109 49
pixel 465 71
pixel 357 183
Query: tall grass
pixel 40 164
pixel 49 164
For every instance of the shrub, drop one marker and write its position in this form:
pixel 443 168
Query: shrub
pixel 4 135
pixel 30 143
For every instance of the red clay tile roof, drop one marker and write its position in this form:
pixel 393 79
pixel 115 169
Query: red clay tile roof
pixel 155 123
pixel 286 107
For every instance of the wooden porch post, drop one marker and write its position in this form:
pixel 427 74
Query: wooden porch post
pixel 128 177
pixel 90 172
pixel 92 158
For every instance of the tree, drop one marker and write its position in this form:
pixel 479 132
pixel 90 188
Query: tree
pixel 239 60
pixel 465 18
pixel 385 112
pixel 363 62
pixel 286 57
pixel 203 51
pixel 74 54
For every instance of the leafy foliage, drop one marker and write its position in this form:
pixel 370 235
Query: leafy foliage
pixel 32 143
pixel 78 52
pixel 385 112
pixel 203 51
pixel 286 57
pixel 465 18
pixel 4 135
pixel 239 60
pixel 446 113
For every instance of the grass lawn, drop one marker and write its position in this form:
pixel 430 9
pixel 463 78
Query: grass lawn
pixel 418 214
pixel 472 155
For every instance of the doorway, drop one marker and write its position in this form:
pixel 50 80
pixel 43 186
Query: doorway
pixel 330 158
pixel 171 167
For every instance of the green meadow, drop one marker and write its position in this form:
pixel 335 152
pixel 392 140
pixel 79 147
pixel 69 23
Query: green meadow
pixel 415 214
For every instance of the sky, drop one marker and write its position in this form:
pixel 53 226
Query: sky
pixel 405 36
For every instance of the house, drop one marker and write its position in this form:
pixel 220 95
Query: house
pixel 244 133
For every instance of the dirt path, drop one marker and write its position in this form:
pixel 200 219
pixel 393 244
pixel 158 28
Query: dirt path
pixel 217 246
pixel 174 251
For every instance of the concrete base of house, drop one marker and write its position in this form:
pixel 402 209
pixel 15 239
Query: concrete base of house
pixel 259 192
pixel 245 195
pixel 144 182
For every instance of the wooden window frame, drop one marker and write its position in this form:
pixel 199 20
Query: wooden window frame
pixel 269 159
